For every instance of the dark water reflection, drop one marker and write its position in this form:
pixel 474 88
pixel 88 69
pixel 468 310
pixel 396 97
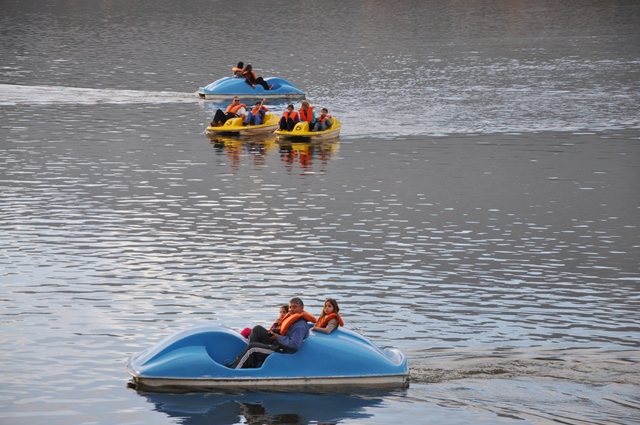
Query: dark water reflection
pixel 296 157
pixel 480 210
pixel 261 408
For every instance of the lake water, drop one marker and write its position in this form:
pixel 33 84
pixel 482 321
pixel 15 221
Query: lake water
pixel 480 210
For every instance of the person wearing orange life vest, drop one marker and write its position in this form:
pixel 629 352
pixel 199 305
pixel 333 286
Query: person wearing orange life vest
pixel 256 115
pixel 288 339
pixel 236 71
pixel 329 319
pixel 289 119
pixel 234 110
pixel 251 79
pixel 307 114
pixel 324 121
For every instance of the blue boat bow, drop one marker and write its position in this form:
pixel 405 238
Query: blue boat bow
pixel 195 359
pixel 228 87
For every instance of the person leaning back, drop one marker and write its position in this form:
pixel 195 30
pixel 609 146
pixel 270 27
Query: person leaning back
pixel 290 335
pixel 235 110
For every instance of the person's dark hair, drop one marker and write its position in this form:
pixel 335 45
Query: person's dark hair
pixel 296 300
pixel 331 301
pixel 240 65
pixel 286 307
pixel 334 303
pixel 247 67
pixel 290 106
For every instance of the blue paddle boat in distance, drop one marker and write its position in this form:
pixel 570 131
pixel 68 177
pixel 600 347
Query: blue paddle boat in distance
pixel 195 360
pixel 228 87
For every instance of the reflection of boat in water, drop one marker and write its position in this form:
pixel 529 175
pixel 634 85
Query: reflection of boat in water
pixel 264 142
pixel 302 132
pixel 263 407
pixel 306 153
pixel 195 359
pixel 228 87
pixel 236 126
pixel 236 148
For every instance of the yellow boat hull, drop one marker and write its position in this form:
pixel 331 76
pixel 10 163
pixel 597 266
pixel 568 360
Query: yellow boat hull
pixel 301 132
pixel 236 127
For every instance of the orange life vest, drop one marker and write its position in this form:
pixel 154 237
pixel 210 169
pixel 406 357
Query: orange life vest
pixel 324 321
pixel 290 319
pixel 234 108
pixel 293 115
pixel 256 109
pixel 250 76
pixel 307 115
pixel 275 326
pixel 325 118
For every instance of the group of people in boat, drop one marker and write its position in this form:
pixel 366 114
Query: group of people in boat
pixel 255 115
pixel 319 122
pixel 290 117
pixel 287 333
pixel 246 71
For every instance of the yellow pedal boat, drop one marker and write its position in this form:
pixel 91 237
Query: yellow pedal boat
pixel 236 127
pixel 301 132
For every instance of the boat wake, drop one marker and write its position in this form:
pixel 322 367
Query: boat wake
pixel 11 95
pixel 593 367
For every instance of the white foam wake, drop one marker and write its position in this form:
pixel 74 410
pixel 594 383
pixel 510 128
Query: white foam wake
pixel 11 94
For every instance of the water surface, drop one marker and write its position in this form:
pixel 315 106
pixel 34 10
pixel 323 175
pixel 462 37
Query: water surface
pixel 480 210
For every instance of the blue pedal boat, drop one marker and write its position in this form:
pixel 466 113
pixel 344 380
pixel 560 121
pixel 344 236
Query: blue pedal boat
pixel 195 359
pixel 228 87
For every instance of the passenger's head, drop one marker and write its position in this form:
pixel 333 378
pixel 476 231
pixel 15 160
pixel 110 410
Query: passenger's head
pixel 304 105
pixel 247 67
pixel 290 107
pixel 325 111
pixel 284 309
pixel 296 305
pixel 240 65
pixel 333 304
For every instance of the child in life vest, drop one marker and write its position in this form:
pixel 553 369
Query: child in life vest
pixel 289 119
pixel 284 309
pixel 329 318
pixel 256 115
pixel 323 120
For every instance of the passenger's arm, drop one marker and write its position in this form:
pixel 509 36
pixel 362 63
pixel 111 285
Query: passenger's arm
pixel 294 340
pixel 331 326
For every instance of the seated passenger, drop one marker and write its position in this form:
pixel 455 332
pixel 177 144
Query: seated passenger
pixel 235 110
pixel 256 115
pixel 237 70
pixel 289 119
pixel 251 79
pixel 307 114
pixel 291 334
pixel 324 121
pixel 284 309
pixel 329 319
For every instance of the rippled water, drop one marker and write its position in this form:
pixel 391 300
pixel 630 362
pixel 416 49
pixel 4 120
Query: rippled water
pixel 491 234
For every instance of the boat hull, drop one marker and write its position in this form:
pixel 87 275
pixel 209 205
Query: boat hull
pixel 195 359
pixel 301 132
pixel 212 384
pixel 228 87
pixel 235 126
